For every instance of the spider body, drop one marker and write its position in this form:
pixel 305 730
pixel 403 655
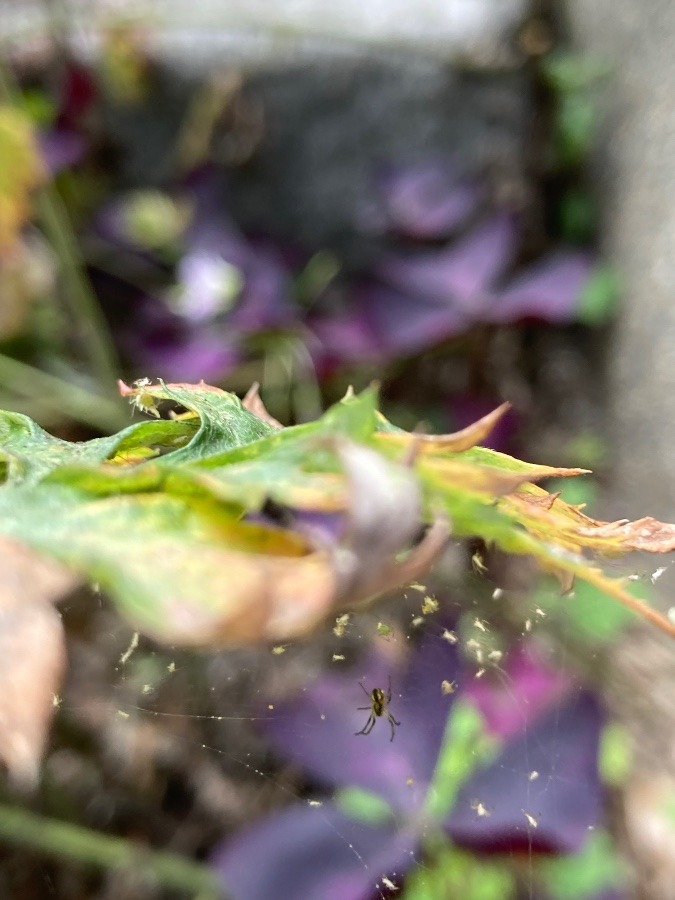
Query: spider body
pixel 379 706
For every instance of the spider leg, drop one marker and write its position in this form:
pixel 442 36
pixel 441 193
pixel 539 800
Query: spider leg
pixel 368 727
pixel 363 708
pixel 389 691
pixel 392 723
pixel 363 689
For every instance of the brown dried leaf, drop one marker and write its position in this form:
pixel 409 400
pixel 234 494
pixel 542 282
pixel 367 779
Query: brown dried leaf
pixel 253 403
pixel 456 442
pixel 33 654
pixel 644 534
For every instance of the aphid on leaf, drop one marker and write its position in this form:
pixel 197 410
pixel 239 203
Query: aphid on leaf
pixel 379 706
pixel 143 400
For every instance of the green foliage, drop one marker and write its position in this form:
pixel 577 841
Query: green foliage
pixel 453 873
pixel 465 747
pixel 585 874
pixel 159 514
pixel 364 806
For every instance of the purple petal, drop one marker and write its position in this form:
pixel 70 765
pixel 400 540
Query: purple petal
pixel 312 854
pixel 61 148
pixel 405 323
pixel 163 344
pixel 510 699
pixel 327 715
pixel 263 300
pixel 423 201
pixel 207 286
pixel 322 529
pixel 422 703
pixel 199 355
pixel 461 273
pixel 550 773
pixel 347 337
pixel 549 290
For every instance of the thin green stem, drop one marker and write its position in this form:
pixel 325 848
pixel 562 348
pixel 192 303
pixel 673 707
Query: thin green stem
pixel 83 305
pixel 84 308
pixel 65 397
pixel 63 840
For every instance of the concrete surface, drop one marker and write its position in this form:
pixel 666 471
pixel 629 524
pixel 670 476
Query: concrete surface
pixel 636 175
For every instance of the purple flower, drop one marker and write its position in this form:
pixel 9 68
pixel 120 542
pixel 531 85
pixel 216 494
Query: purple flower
pixel 539 792
pixel 224 287
pixel 222 273
pixel 417 297
pixel 61 148
pixel 162 343
pixel 428 200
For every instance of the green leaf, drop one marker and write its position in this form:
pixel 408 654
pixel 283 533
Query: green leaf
pixel 453 873
pixel 569 72
pixel 600 296
pixel 157 513
pixel 587 613
pixel 364 806
pixel 223 421
pixel 584 875
pixel 465 747
pixel 615 756
pixel 180 569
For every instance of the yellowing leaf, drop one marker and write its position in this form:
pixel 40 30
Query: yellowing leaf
pixel 21 171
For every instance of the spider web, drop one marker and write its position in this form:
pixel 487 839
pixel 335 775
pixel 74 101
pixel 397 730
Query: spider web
pixel 182 734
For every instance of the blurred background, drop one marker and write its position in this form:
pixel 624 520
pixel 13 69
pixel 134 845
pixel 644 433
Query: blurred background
pixel 468 201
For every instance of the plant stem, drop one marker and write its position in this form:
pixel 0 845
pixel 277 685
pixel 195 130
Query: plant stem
pixel 83 305
pixel 64 840
pixel 65 397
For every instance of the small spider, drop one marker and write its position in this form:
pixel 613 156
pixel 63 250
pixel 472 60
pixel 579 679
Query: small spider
pixel 379 703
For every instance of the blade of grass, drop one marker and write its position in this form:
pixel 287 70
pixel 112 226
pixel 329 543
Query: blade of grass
pixel 63 840
pixel 66 398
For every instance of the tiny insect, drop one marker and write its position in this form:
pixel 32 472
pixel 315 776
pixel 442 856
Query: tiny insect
pixel 379 706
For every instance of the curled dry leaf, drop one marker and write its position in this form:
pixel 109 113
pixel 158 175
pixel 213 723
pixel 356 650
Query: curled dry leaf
pixel 253 403
pixel 455 443
pixel 33 654
pixel 385 512
pixel 644 534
